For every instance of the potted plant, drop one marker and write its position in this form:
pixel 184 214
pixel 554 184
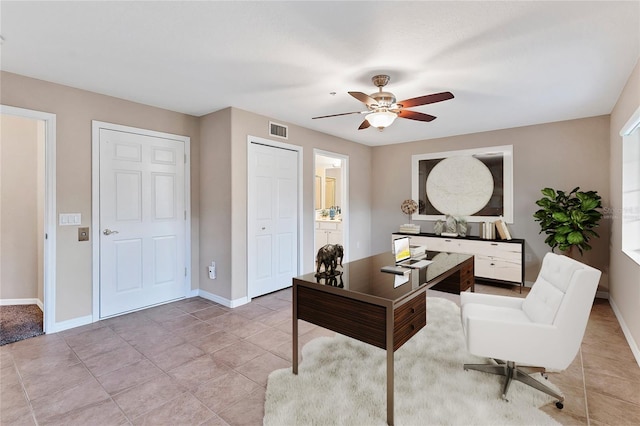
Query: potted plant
pixel 568 219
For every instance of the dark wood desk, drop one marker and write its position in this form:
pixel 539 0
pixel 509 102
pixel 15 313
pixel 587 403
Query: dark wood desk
pixel 379 308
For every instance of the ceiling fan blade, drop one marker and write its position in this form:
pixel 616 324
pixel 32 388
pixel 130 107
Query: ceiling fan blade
pixel 414 115
pixel 364 125
pixel 338 115
pixel 427 99
pixel 364 98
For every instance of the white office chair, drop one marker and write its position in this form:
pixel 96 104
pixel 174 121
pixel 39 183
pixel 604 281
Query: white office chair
pixel 544 329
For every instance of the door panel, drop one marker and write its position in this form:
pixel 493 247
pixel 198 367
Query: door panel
pixel 272 218
pixel 142 239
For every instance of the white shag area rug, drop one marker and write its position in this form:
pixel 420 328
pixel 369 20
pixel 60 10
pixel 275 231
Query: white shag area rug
pixel 342 381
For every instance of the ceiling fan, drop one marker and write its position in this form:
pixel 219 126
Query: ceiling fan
pixel 382 108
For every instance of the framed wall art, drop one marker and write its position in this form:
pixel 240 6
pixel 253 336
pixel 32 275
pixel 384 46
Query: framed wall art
pixel 475 184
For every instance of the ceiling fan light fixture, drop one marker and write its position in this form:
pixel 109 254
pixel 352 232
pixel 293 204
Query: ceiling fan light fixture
pixel 381 119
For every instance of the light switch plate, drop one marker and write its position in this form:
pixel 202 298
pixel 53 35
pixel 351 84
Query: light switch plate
pixel 70 219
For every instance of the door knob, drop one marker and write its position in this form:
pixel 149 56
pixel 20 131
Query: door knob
pixel 109 232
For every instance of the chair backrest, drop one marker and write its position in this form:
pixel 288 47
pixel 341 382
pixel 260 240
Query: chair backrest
pixel 562 296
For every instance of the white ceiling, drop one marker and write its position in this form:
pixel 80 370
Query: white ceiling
pixel 508 64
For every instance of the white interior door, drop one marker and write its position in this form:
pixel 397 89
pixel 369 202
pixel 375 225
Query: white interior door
pixel 142 221
pixel 272 218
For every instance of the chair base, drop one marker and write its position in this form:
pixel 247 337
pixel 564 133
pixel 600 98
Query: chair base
pixel 521 374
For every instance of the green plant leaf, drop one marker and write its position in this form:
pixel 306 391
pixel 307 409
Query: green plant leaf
pixel 548 192
pixel 560 217
pixel 575 237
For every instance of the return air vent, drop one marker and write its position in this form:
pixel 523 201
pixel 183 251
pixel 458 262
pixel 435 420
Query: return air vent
pixel 278 130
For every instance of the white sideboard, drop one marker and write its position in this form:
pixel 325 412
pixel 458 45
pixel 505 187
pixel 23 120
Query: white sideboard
pixel 496 260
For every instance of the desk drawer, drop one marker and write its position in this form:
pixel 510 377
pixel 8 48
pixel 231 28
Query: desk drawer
pixel 409 319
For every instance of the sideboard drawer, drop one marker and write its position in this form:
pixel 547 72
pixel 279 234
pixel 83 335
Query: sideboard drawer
pixel 497 269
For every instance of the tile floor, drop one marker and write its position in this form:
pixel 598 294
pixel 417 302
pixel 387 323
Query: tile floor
pixel 195 362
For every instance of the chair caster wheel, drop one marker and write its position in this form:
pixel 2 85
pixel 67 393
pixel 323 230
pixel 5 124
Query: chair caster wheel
pixel 559 405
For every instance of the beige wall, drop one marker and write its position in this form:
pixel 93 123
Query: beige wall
pixel 625 273
pixel 224 208
pixel 560 155
pixel 75 109
pixel 20 222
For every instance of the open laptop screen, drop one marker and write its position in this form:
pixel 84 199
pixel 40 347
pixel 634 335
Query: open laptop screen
pixel 401 249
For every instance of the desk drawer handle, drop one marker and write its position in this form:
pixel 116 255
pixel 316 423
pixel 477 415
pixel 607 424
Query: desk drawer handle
pixel 413 310
pixel 413 327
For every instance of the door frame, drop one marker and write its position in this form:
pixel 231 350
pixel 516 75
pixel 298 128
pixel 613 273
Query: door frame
pixel 344 202
pixel 49 246
pixel 290 147
pixel 95 202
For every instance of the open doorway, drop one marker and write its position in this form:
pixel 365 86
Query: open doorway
pixel 331 200
pixel 27 222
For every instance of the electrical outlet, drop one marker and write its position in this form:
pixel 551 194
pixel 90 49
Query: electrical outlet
pixel 212 271
pixel 83 234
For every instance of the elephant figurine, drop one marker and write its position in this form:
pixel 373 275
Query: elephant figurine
pixel 329 256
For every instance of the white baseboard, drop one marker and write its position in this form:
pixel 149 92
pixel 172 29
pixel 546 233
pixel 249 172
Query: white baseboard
pixel 7 302
pixel 72 323
pixel 625 330
pixel 221 300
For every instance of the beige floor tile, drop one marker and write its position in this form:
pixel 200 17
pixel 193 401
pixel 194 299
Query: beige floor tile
pixel 129 376
pixel 106 413
pixel 14 404
pixel 238 353
pixel 249 329
pixel 42 361
pixel 152 345
pixel 275 318
pixel 252 310
pixel 195 304
pixel 229 321
pixel 107 345
pixel 178 323
pixel 143 398
pixel 89 337
pixel 107 362
pixel 222 392
pixel 183 410
pixel 216 341
pixel 612 411
pixel 259 368
pixel 248 412
pixel 200 370
pixel 47 382
pixel 163 313
pixel 55 404
pixel 176 356
pixel 209 313
pixel 197 331
pixel 269 338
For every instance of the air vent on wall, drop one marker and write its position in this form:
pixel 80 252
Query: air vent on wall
pixel 278 130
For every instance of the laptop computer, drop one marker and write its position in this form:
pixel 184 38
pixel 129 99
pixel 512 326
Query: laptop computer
pixel 402 251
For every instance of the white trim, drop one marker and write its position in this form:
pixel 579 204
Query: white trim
pixel 625 330
pixel 631 124
pixel 32 301
pixel 72 323
pixel 223 301
pixel 95 202
pixel 49 312
pixel 344 202
pixel 300 152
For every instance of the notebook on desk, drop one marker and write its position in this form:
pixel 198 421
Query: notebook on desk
pixel 402 252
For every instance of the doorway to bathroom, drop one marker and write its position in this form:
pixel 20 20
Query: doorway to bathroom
pixel 331 200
